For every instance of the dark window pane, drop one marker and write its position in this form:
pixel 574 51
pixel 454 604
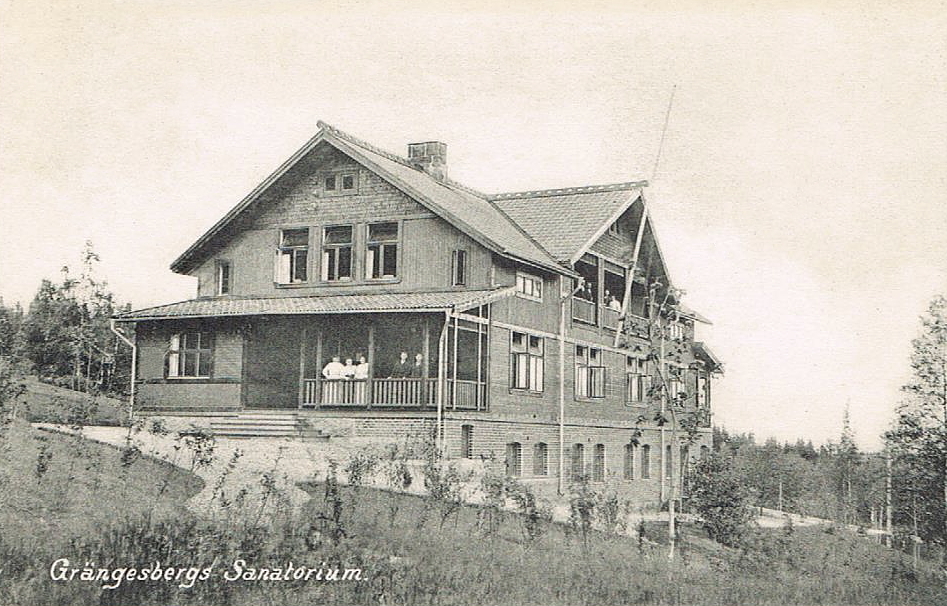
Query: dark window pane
pixel 460 267
pixel 391 260
pixel 348 182
pixel 339 235
pixel 345 262
pixel 190 364
pixel 299 271
pixel 295 237
pixel 330 183
pixel 330 265
pixel 383 232
pixel 204 363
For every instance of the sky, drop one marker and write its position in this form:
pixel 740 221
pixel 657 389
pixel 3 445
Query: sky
pixel 800 198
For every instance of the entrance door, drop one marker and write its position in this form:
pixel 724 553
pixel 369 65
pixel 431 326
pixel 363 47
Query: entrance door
pixel 272 364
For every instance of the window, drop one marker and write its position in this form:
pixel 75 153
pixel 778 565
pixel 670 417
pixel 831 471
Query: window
pixel 541 459
pixel 646 462
pixel 223 277
pixel 190 354
pixel 704 452
pixel 337 253
pixel 466 441
pixel 526 362
pixel 668 462
pixel 381 257
pixel 514 459
pixel 637 381
pixel 578 462
pixel 628 469
pixel 675 388
pixel 337 183
pixel 676 331
pixel 614 229
pixel 598 463
pixel 329 183
pixel 589 373
pixel 292 257
pixel 459 268
pixel 348 182
pixel 529 286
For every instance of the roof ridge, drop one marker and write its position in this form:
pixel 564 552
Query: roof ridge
pixel 396 158
pixel 565 191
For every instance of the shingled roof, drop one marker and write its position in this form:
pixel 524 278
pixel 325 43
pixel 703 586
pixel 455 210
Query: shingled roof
pixel 466 209
pixel 316 304
pixel 565 221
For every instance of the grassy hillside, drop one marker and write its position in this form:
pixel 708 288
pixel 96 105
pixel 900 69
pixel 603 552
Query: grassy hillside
pixel 65 497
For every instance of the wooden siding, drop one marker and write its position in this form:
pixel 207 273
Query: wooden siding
pixel 425 250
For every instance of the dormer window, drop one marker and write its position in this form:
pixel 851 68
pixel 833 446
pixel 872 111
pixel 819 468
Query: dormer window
pixel 292 256
pixel 381 255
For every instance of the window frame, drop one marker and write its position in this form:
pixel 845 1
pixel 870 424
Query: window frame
pixel 179 350
pixel 383 245
pixel 458 267
pixel 525 278
pixel 584 363
pixel 514 459
pixel 541 459
pixel 293 251
pixel 637 382
pixel 219 282
pixel 628 462
pixel 599 463
pixel 645 465
pixel 527 351
pixel 334 249
pixel 338 178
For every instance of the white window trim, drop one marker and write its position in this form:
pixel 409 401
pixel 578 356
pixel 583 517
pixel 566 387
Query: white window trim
pixel 527 277
pixel 218 287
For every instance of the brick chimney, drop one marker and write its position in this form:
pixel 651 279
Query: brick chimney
pixel 431 156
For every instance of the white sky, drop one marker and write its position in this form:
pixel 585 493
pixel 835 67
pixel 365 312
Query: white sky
pixel 800 199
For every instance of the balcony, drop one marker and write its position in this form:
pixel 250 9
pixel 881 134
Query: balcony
pixel 584 311
pixel 399 393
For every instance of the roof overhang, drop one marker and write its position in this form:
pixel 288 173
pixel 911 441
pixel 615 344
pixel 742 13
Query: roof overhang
pixel 232 307
pixel 703 353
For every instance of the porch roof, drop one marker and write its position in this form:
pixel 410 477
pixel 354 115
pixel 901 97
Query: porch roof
pixel 210 307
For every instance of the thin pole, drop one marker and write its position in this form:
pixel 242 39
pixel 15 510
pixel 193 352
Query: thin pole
pixel 667 119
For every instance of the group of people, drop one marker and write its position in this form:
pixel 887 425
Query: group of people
pixel 588 291
pixel 346 383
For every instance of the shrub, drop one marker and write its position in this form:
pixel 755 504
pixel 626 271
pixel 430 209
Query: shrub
pixel 720 499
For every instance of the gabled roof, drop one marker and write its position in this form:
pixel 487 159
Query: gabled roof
pixel 464 208
pixel 567 221
pixel 325 304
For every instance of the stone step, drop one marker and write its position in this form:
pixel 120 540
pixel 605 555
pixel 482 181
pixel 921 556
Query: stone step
pixel 257 422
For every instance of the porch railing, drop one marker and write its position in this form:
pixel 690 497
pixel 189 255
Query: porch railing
pixel 583 310
pixel 610 318
pixel 400 393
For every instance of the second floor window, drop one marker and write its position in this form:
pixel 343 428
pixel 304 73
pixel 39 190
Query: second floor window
pixel 223 277
pixel 337 253
pixel 589 373
pixel 459 268
pixel 292 257
pixel 381 256
pixel 526 362
pixel 638 383
pixel 676 331
pixel 529 286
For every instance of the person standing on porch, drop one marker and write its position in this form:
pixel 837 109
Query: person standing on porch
pixel 416 372
pixel 361 378
pixel 402 368
pixel 332 373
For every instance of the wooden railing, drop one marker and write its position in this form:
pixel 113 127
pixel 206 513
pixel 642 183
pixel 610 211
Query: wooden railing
pixel 465 396
pixel 583 310
pixel 400 393
pixel 610 318
pixel 637 326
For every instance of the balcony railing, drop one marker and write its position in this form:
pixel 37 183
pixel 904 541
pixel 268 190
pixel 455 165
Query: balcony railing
pixel 610 318
pixel 583 310
pixel 392 393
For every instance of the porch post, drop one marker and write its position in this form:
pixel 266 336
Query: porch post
pixel 369 393
pixel 426 352
pixel 302 365
pixel 453 388
pixel 317 392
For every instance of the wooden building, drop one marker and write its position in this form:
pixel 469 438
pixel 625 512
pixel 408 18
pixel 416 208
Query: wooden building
pixel 370 295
